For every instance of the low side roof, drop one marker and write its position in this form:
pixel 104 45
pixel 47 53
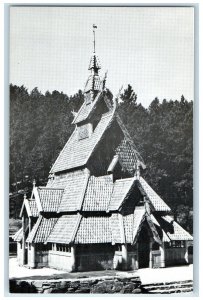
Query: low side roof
pixel 41 230
pixel 18 235
pixel 174 231
pixel 64 229
pixel 93 230
pixel 155 199
pixel 77 152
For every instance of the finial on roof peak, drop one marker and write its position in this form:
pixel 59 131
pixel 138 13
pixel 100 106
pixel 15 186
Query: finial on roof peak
pixel 24 196
pixel 94 27
pixel 34 183
pixel 137 170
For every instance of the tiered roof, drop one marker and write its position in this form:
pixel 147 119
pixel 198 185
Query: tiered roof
pixel 77 152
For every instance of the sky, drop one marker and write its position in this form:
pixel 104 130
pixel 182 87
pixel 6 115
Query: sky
pixel 151 48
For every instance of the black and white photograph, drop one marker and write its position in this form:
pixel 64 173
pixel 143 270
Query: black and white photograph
pixel 101 102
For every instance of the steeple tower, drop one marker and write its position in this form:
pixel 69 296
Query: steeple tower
pixel 94 83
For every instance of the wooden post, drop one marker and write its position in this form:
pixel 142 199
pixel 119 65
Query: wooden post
pixel 23 240
pixel 73 257
pixel 186 252
pixel 150 254
pixel 137 257
pixel 30 225
pixel 124 256
pixel 162 262
pixel 32 256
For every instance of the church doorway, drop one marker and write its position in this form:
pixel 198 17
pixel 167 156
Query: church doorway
pixel 144 248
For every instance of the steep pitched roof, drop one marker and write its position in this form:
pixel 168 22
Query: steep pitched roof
pixel 93 230
pixel 33 207
pixel 64 229
pixel 98 193
pixel 127 156
pixel 17 237
pixel 162 235
pixel 86 109
pixel 156 201
pixel 138 219
pixel 120 191
pixel 41 230
pixel 77 152
pixel 50 198
pixel 174 231
pixel 76 183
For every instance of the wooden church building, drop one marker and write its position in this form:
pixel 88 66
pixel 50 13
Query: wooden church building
pixel 96 211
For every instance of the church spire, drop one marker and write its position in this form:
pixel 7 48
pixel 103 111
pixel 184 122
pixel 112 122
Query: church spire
pixel 94 83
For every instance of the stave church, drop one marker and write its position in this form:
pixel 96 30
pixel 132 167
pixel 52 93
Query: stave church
pixel 97 211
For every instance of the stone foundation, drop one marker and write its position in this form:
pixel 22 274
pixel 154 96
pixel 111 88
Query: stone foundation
pixel 102 285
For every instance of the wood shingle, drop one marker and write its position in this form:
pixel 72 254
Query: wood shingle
pixel 98 193
pixel 64 229
pixel 94 230
pixel 77 152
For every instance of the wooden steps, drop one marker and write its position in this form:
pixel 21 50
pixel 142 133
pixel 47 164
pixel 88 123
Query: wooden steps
pixel 168 287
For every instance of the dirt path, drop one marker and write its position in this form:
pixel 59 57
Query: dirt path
pixel 146 275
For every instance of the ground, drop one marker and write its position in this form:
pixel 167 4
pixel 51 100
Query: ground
pixel 146 275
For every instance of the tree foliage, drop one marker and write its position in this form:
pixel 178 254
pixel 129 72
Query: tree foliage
pixel 40 125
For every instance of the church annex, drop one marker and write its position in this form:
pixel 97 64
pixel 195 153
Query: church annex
pixel 96 211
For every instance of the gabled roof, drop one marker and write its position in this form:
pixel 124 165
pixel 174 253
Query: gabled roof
pixel 33 207
pixel 93 230
pixel 41 230
pixel 120 191
pixel 76 152
pixel 17 237
pixel 98 193
pixel 76 183
pixel 155 200
pixel 126 155
pixel 64 229
pixel 162 235
pixel 174 231
pixel 138 219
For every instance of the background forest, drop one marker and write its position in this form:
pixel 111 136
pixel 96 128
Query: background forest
pixel 40 125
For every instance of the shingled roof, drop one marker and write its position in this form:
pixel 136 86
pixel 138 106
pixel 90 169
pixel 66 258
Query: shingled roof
pixel 174 231
pixel 93 230
pixel 155 199
pixel 64 229
pixel 120 191
pixel 77 152
pixel 41 230
pixel 76 183
pixel 50 198
pixel 33 207
pixel 127 156
pixel 98 193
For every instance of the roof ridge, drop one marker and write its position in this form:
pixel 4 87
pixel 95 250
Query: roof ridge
pixel 50 188
pixel 125 179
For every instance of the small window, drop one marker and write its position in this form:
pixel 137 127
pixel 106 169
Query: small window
pixel 190 250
